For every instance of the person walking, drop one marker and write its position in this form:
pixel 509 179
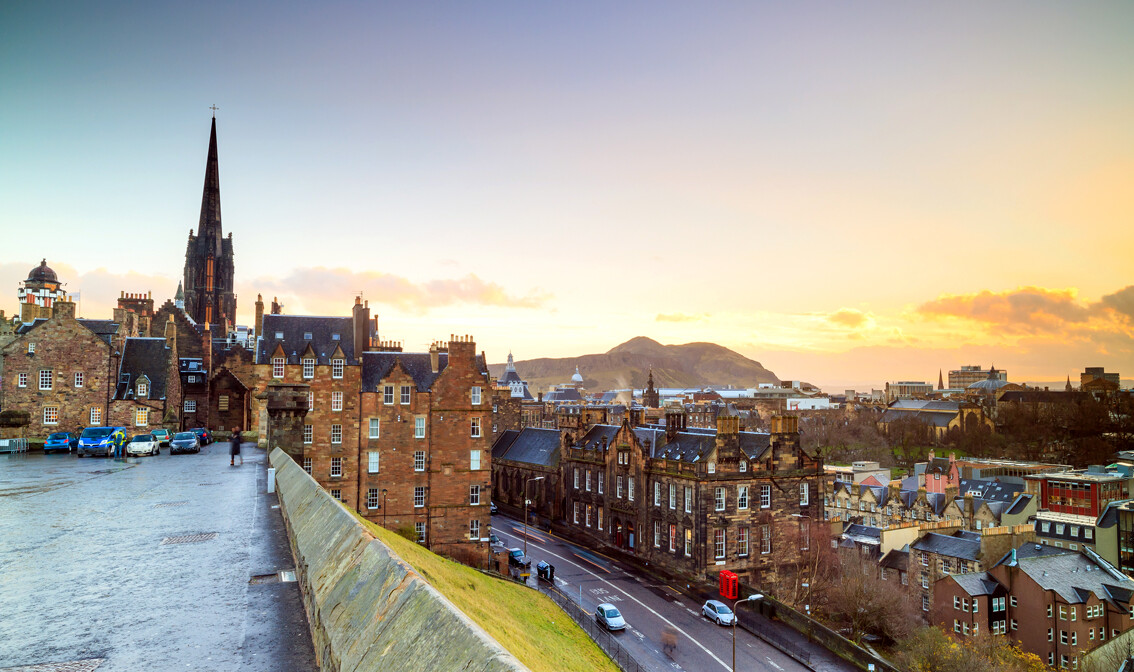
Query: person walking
pixel 234 451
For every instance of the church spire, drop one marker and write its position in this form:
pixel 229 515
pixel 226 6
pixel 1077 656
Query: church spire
pixel 210 225
pixel 940 380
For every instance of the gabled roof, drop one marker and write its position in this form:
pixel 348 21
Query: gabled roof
pixel 532 445
pixel 1020 503
pixel 104 329
pixel 148 357
pixel 377 365
pixel 896 559
pixel 25 327
pixel 563 394
pixel 977 583
pixel 327 334
pixel 1075 576
pixel 952 547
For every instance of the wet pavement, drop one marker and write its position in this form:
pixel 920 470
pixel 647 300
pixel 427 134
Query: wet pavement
pixel 151 563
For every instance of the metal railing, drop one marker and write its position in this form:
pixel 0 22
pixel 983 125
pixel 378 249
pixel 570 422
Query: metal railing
pixel 13 445
pixel 600 635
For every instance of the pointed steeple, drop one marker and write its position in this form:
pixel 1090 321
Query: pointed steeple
pixel 1068 388
pixel 511 363
pixel 940 380
pixel 209 226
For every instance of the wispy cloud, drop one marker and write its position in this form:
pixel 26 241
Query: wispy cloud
pixel 1026 310
pixel 681 317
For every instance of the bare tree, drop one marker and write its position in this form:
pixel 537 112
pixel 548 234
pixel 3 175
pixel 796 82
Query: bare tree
pixel 806 565
pixel 862 601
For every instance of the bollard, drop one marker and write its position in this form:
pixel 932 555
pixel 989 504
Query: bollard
pixel 271 480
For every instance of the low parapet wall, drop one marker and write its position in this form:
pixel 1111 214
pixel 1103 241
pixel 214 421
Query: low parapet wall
pixel 368 609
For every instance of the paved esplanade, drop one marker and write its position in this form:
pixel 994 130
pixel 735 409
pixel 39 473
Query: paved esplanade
pixel 146 563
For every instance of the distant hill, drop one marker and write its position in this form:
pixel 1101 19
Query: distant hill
pixel 627 365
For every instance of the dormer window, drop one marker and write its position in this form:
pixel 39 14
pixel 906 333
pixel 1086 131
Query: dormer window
pixel 743 466
pixel 279 335
pixel 334 337
pixel 31 348
pixel 712 467
pixel 307 335
pixel 143 389
pixel 337 368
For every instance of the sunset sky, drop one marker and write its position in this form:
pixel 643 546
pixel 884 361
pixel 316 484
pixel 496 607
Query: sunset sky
pixel 849 193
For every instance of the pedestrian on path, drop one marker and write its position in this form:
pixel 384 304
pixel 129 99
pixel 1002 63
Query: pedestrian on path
pixel 234 451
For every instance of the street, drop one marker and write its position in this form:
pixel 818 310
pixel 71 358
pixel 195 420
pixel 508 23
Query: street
pixel 589 579
pixel 150 563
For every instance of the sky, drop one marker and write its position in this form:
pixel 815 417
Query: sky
pixel 849 193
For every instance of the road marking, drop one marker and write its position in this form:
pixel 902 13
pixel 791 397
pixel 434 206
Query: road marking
pixel 772 663
pixel 644 606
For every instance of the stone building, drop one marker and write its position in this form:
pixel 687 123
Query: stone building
pixel 209 298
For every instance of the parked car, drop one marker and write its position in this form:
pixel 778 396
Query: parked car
pixel 608 616
pixel 162 436
pixel 60 441
pixel 142 444
pixel 494 540
pixel 516 558
pixel 493 509
pixel 102 441
pixel 718 612
pixel 184 442
pixel 203 435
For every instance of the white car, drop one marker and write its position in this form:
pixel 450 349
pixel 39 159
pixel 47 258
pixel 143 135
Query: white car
pixel 718 612
pixel 142 444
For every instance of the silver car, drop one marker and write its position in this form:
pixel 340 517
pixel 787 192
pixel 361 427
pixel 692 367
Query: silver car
pixel 608 616
pixel 718 612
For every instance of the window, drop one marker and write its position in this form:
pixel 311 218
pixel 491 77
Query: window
pixel 618 487
pixel 335 337
pixel 474 460
pixel 307 464
pixel 956 625
pixel 222 402
pixel 657 493
pixel 141 417
pixel 190 405
pixel 1088 533
pixel 1014 624
pixel 587 479
pixel 805 494
pixel 143 389
pixel 924 580
pixel 277 367
pixel 1074 613
pixel 742 542
pixel 588 512
pixel 718 544
pixel 1062 636
pixel 1074 638
pixel 51 415
pixel 765 539
pixel 743 466
pixel 419 428
pixel 310 400
pixel 742 497
pixel 956 602
pixel 765 496
pixel 419 497
pixel 78 379
pixel 419 460
pixel 1049 611
pixel 576 472
pixel 22 380
pixel 600 518
pixel 375 428
pixel 925 603
pixel 474 427
pixel 688 499
pixel 712 467
pixel 476 396
pixel 630 488
pixel 308 367
pixel 672 496
pixel 998 603
pixel 419 528
pixel 336 467
pixel 474 530
pixel 96 416
pixel 372 462
pixel 1063 612
pixel 337 368
pixel 336 493
pixel 336 401
pixel 191 379
pixel 388 395
pixel 45 379
pixel 1012 600
pixel 372 498
pixel 31 348
pixel 308 434
pixel 575 512
pixel 336 433
pixel 688 541
pixel 405 395
pixel 600 488
pixel 474 495
pixel 719 498
pixel 1045 527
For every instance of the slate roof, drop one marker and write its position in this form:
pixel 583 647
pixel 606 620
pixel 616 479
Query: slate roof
pixel 977 583
pixel 992 490
pixel 377 365
pixel 692 444
pixel 929 418
pixel 503 442
pixel 1074 576
pixel 925 405
pixel 25 327
pixel 532 445
pixel 565 394
pixel 104 329
pixel 952 547
pixel 896 559
pixel 293 328
pixel 1020 503
pixel 1036 396
pixel 147 357
pixel 863 534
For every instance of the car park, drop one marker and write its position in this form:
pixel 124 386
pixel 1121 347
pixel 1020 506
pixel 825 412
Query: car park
pixel 162 436
pixel 204 437
pixel 63 442
pixel 101 441
pixel 608 616
pixel 516 558
pixel 718 612
pixel 184 442
pixel 142 444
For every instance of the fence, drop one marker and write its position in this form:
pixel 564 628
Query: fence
pixel 601 636
pixel 752 624
pixel 13 445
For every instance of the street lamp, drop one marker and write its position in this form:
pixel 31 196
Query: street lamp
pixel 383 508
pixel 537 478
pixel 735 617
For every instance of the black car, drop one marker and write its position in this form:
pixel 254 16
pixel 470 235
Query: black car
pixel 516 558
pixel 184 442
pixel 203 435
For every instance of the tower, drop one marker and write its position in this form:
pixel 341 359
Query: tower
pixel 208 257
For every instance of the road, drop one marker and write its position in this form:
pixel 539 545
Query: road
pixel 151 563
pixel 590 578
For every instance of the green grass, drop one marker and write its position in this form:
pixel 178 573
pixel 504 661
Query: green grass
pixel 526 623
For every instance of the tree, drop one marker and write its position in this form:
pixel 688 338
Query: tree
pixel 806 565
pixel 861 601
pixel 929 649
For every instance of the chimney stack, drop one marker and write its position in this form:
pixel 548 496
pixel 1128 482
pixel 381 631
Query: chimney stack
pixel 434 357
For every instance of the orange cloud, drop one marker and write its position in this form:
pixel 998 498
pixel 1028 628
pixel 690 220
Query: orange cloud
pixel 1121 302
pixel 848 317
pixel 680 317
pixel 1023 310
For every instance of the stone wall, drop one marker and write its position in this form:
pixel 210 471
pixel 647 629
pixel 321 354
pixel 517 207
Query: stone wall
pixel 368 609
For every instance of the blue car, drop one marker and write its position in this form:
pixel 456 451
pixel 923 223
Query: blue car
pixel 102 441
pixel 60 441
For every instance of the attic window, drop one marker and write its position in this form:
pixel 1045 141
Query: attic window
pixel 143 389
pixel 334 337
pixel 307 335
pixel 279 335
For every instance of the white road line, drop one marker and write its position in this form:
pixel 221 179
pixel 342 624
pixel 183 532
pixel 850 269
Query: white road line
pixel 772 663
pixel 644 606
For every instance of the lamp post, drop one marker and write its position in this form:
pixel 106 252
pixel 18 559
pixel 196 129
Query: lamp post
pixel 735 617
pixel 383 508
pixel 537 478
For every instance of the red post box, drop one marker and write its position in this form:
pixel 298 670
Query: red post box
pixel 730 585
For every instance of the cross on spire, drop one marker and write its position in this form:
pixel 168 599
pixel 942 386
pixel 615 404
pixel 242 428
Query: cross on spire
pixel 214 108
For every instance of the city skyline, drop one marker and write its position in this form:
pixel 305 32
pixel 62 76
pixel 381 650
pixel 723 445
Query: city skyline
pixel 846 195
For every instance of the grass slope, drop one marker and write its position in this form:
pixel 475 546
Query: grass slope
pixel 526 623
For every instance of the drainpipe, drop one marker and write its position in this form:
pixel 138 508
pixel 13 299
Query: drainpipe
pixel 358 490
